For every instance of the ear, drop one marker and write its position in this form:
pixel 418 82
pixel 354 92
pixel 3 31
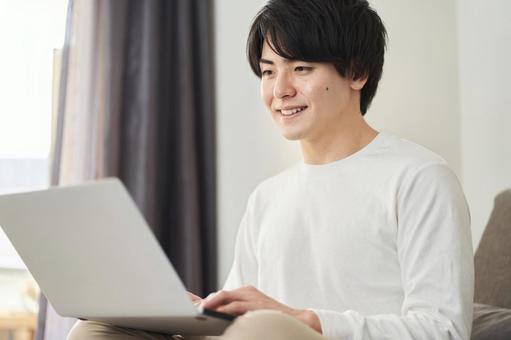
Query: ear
pixel 358 84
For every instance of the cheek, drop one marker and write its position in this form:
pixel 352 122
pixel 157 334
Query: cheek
pixel 317 93
pixel 266 91
pixel 325 103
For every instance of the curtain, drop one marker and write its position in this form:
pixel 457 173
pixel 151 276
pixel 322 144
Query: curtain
pixel 136 102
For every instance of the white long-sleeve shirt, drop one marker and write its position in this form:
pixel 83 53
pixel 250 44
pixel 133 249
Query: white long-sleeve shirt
pixel 377 244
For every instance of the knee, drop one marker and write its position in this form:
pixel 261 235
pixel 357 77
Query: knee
pixel 87 330
pixel 268 324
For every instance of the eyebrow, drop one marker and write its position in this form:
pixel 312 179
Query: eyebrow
pixel 270 62
pixel 265 61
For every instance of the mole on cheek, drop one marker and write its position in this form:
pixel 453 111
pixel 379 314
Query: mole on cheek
pixel 327 88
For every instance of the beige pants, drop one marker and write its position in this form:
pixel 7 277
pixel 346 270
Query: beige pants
pixel 263 324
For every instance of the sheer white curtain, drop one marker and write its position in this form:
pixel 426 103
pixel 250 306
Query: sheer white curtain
pixel 77 133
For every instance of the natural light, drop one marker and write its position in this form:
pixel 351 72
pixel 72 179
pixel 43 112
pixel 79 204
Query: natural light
pixel 30 31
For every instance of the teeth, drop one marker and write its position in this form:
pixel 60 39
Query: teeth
pixel 291 111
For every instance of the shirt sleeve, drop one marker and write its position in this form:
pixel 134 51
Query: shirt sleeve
pixel 244 268
pixel 434 249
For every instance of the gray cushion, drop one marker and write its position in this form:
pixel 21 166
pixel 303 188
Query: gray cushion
pixel 493 257
pixel 491 323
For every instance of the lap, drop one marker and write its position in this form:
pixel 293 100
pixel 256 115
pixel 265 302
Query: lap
pixel 269 324
pixel 92 330
pixel 256 325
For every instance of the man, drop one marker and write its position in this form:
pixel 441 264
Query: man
pixel 367 238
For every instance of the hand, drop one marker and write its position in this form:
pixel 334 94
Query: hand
pixel 248 298
pixel 197 300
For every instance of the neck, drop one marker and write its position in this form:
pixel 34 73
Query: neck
pixel 342 140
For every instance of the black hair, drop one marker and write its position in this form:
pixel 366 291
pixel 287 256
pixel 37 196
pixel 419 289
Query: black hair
pixel 347 33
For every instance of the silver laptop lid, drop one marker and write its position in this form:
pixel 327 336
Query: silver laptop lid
pixel 73 238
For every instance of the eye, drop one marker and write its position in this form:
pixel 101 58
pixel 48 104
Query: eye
pixel 302 69
pixel 266 72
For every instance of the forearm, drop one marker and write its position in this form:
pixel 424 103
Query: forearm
pixel 415 325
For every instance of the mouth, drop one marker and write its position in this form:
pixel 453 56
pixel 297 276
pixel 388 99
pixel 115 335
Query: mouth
pixel 291 112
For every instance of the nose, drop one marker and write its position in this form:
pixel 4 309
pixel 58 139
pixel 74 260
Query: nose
pixel 283 87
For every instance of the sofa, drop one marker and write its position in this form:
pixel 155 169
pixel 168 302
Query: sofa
pixel 492 260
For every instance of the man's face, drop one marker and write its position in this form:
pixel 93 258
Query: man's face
pixel 307 100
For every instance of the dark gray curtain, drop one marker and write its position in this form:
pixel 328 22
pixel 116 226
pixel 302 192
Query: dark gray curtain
pixel 162 141
pixel 149 116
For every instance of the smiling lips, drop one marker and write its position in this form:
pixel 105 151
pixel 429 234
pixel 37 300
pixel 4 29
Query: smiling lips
pixel 287 112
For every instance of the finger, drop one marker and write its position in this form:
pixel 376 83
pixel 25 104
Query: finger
pixel 235 308
pixel 217 299
pixel 194 297
pixel 223 297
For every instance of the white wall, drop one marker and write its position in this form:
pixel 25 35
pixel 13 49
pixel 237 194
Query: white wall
pixel 447 93
pixel 485 92
pixel 249 146
pixel 418 94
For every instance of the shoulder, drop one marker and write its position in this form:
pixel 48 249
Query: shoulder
pixel 408 166
pixel 409 154
pixel 419 169
pixel 407 160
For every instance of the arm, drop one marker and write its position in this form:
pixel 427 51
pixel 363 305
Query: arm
pixel 434 249
pixel 244 267
pixel 237 301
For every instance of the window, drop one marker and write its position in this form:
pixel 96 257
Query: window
pixel 30 31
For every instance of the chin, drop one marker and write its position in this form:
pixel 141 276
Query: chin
pixel 292 135
pixel 293 132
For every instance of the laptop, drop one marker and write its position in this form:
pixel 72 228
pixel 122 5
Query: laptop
pixel 95 258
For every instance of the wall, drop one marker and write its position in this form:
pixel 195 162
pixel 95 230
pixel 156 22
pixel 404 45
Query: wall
pixel 485 92
pixel 249 146
pixel 418 94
